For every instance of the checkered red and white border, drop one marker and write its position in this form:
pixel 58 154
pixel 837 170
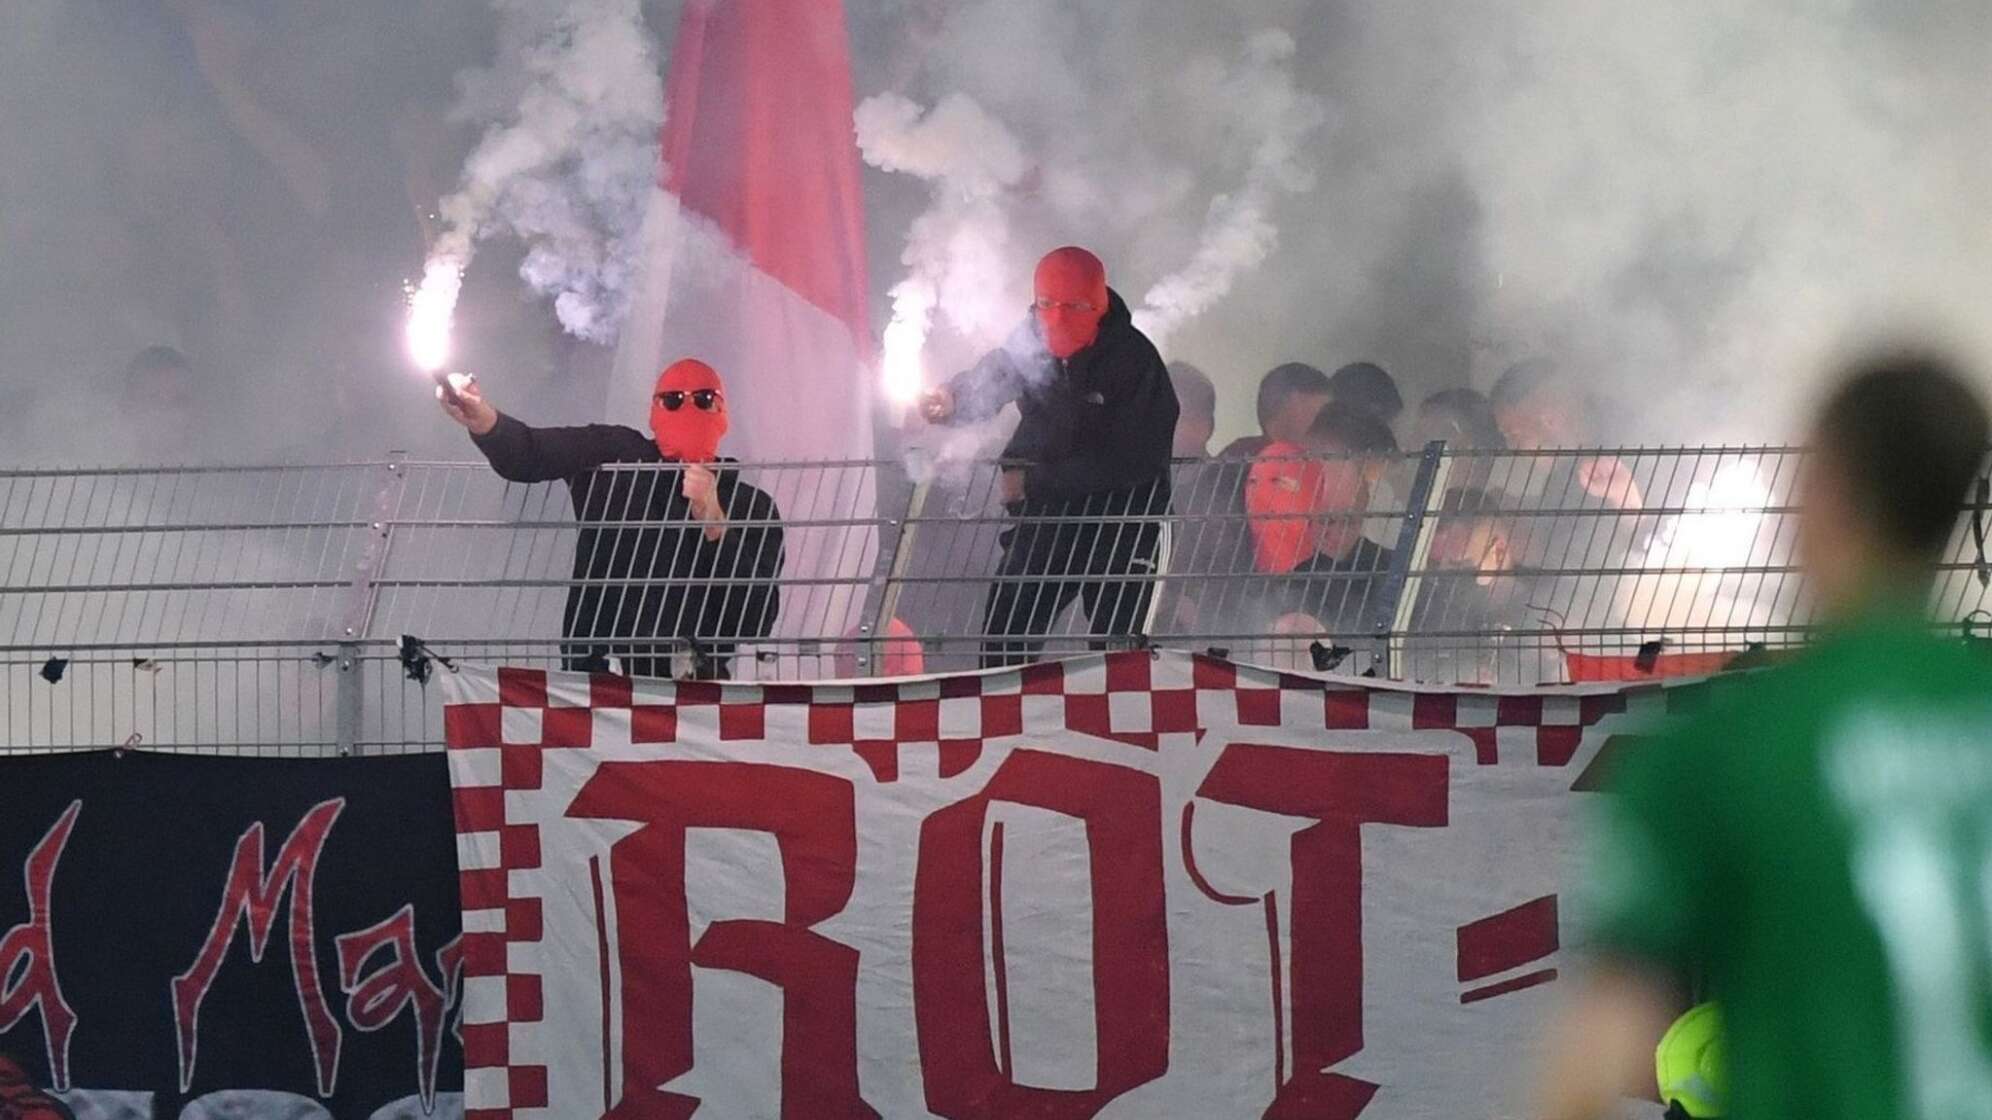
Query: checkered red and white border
pixel 503 723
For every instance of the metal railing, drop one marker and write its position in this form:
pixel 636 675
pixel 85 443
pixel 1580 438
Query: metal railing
pixel 263 609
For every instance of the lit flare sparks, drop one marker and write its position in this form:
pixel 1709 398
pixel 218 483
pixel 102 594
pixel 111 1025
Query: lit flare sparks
pixel 1724 520
pixel 902 373
pixel 431 309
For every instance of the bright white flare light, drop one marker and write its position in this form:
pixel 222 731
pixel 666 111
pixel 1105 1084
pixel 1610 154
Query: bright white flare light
pixel 1725 520
pixel 431 307
pixel 902 373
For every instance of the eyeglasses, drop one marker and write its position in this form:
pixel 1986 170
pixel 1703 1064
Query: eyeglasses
pixel 1048 305
pixel 705 400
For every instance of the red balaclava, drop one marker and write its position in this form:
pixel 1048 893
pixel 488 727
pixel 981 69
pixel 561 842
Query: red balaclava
pixel 1071 299
pixel 688 433
pixel 1282 496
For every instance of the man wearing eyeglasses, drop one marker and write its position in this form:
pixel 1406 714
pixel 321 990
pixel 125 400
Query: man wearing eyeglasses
pixel 677 558
pixel 1086 475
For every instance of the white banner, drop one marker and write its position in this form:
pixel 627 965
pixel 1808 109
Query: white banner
pixel 1128 885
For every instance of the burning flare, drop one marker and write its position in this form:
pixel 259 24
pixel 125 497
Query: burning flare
pixel 1724 521
pixel 431 307
pixel 1696 564
pixel 905 338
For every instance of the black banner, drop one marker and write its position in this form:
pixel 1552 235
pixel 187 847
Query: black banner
pixel 187 937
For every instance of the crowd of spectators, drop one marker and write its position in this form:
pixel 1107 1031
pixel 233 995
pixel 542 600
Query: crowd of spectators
pixel 1291 539
pixel 1290 543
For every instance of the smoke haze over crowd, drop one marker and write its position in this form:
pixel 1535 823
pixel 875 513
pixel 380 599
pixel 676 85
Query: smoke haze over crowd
pixel 1687 205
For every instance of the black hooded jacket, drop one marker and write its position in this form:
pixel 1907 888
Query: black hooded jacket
pixel 668 545
pixel 1096 428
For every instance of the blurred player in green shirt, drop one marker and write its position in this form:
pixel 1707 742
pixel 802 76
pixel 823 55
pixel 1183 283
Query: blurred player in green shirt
pixel 1818 843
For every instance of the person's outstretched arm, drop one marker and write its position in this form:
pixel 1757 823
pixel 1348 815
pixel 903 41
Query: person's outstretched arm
pixel 522 453
pixel 979 392
pixel 1648 901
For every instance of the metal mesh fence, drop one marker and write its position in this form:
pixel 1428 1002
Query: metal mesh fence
pixel 262 609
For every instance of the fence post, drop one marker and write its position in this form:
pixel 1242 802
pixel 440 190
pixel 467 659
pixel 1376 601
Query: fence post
pixel 1414 542
pixel 885 604
pixel 361 596
pixel 350 703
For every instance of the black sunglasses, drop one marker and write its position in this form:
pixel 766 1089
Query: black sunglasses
pixel 705 400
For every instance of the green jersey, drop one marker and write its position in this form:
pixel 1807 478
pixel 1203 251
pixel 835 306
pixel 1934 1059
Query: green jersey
pixel 1817 843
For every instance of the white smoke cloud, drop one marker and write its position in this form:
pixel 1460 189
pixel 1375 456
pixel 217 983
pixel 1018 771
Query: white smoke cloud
pixel 1688 203
pixel 958 251
pixel 571 110
pixel 1032 143
pixel 1693 207
pixel 1698 206
pixel 1239 232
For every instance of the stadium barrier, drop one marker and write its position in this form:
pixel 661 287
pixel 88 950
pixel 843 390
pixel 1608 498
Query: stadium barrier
pixel 262 610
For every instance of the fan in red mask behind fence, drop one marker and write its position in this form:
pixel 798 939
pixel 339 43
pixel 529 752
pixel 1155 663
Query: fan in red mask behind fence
pixel 711 540
pixel 1091 450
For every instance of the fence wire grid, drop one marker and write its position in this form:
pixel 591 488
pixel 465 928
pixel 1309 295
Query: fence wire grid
pixel 262 610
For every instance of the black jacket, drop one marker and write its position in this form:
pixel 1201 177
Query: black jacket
pixel 1344 594
pixel 669 547
pixel 1096 428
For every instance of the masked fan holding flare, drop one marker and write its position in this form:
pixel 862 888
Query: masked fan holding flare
pixel 1087 472
pixel 677 558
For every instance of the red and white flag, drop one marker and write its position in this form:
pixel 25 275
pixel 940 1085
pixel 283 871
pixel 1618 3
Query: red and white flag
pixel 754 261
pixel 1125 885
pixel 757 261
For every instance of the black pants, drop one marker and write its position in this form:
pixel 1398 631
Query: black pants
pixel 1049 562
